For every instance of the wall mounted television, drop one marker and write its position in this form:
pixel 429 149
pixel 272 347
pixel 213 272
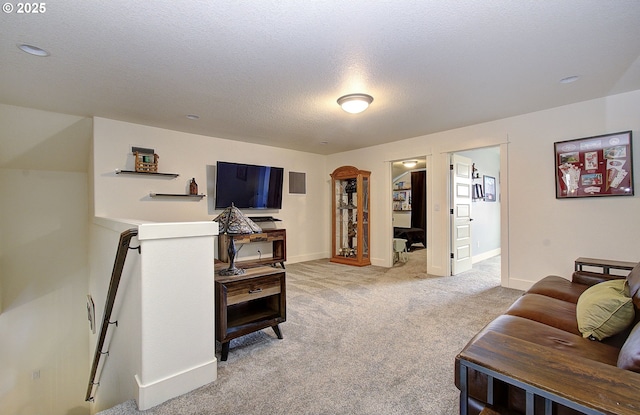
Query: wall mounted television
pixel 248 186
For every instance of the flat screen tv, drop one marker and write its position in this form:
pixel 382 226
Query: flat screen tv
pixel 248 186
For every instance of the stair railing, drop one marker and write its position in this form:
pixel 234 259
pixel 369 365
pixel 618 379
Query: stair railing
pixel 121 256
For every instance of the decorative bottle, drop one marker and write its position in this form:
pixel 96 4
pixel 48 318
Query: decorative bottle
pixel 193 187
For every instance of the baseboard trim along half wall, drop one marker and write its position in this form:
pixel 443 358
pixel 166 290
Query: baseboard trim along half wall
pixel 162 390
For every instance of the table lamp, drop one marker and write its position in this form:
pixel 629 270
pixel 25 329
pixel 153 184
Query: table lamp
pixel 233 222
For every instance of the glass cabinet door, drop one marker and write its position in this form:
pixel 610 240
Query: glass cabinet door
pixel 350 216
pixel 346 217
pixel 365 217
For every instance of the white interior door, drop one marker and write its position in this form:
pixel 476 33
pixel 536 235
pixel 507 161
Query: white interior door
pixel 460 214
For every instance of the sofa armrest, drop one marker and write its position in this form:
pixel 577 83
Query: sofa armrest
pixel 593 278
pixel 586 385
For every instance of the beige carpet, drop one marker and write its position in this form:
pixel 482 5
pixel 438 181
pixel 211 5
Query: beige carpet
pixel 365 340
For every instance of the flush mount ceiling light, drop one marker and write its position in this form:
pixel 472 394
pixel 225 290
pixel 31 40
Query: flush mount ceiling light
pixel 33 50
pixel 355 103
pixel 410 163
pixel 569 79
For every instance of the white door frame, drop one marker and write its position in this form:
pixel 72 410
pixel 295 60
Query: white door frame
pixel 443 239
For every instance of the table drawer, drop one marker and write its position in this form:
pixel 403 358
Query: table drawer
pixel 252 290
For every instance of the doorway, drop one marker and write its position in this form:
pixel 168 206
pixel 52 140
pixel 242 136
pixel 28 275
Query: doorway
pixel 409 209
pixel 461 198
pixel 485 230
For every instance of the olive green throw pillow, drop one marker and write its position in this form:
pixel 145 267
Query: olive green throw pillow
pixel 605 309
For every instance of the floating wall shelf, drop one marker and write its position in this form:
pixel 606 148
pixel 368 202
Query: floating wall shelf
pixel 176 195
pixel 147 173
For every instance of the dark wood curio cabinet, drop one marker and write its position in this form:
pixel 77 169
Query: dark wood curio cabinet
pixel 350 216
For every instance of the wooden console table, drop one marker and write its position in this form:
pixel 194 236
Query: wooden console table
pixel 606 264
pixel 277 237
pixel 587 386
pixel 249 302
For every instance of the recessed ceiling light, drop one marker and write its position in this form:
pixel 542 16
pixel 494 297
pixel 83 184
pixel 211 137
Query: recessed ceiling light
pixel 569 79
pixel 33 50
pixel 193 117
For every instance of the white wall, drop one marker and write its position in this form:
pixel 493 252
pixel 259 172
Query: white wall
pixel 120 196
pixel 43 241
pixel 545 235
pixel 548 234
pixel 43 261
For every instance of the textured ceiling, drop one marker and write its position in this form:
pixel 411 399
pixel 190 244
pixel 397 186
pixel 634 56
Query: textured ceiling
pixel 270 71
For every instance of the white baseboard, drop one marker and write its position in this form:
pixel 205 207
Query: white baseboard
pixel 308 257
pixel 485 255
pixel 162 390
pixel 522 285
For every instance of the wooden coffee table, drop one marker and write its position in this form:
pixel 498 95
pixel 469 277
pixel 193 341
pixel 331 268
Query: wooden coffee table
pixel 587 386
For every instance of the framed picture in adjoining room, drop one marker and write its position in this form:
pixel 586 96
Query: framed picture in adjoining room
pixel 601 165
pixel 489 183
pixel 400 196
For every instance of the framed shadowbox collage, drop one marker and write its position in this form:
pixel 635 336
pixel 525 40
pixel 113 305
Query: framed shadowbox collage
pixel 594 166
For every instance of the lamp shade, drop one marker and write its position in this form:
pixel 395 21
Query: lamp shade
pixel 232 221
